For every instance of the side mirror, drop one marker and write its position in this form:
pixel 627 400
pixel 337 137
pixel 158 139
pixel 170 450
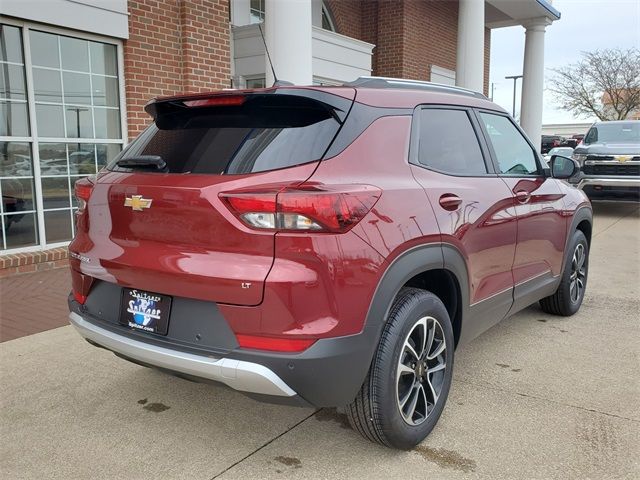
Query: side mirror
pixel 563 167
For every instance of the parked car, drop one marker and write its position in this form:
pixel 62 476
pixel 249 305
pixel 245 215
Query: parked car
pixel 610 159
pixel 551 141
pixel 325 246
pixel 563 151
pixel 578 138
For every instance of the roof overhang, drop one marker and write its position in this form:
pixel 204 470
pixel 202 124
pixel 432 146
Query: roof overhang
pixel 507 13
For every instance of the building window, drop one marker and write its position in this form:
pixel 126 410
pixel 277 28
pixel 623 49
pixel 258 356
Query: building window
pixel 257 11
pixel 74 97
pixel 327 19
pixel 255 82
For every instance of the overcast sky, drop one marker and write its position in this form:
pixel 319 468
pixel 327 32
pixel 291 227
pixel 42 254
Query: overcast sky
pixel 585 25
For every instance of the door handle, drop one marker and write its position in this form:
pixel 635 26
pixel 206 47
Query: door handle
pixel 523 196
pixel 450 202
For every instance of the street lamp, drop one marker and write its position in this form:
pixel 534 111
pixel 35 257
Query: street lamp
pixel 515 79
pixel 78 110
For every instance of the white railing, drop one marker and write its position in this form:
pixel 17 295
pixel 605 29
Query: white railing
pixel 336 58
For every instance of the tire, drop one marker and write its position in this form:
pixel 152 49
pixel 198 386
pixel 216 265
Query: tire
pixel 376 411
pixel 567 300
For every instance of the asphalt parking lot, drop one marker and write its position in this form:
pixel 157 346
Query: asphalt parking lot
pixel 536 396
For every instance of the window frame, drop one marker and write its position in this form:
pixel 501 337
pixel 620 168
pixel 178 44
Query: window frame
pixel 34 140
pixel 492 153
pixel 414 144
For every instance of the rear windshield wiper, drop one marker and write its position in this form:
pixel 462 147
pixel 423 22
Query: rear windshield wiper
pixel 143 162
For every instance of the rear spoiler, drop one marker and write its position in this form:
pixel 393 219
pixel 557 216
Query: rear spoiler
pixel 338 103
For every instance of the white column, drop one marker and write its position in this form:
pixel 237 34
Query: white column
pixel 533 80
pixel 470 54
pixel 240 12
pixel 288 34
pixel 316 13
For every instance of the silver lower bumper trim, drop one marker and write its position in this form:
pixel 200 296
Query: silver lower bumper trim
pixel 609 182
pixel 239 375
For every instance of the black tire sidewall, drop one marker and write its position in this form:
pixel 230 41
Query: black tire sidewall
pixel 395 430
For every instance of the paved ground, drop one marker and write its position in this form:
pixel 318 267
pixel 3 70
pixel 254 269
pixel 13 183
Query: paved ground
pixel 33 302
pixel 535 397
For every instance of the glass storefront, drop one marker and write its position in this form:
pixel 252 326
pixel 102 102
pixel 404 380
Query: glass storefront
pixel 59 121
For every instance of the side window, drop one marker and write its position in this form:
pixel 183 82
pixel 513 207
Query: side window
pixel 514 155
pixel 448 143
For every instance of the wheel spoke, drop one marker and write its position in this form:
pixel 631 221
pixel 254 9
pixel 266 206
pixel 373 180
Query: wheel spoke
pixel 431 336
pixel 404 370
pixel 413 353
pixel 437 351
pixel 434 395
pixel 424 329
pixel 423 394
pixel 437 368
pixel 573 291
pixel 415 393
pixel 581 256
pixel 404 400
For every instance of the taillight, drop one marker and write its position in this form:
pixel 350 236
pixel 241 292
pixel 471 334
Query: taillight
pixel 274 344
pixel 82 190
pixel 78 297
pixel 307 207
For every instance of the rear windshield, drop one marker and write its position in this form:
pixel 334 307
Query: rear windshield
pixel 265 133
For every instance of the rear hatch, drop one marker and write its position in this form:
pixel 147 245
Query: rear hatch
pixel 154 218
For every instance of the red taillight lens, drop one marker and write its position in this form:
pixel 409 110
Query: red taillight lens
pixel 304 208
pixel 83 189
pixel 220 101
pixel 78 297
pixel 273 344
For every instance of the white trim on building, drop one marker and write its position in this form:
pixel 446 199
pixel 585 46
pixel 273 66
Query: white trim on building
pixel 103 17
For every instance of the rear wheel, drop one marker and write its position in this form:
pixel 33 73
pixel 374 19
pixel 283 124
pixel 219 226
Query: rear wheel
pixel 568 297
pixel 408 382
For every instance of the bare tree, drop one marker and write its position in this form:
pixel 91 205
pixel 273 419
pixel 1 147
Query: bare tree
pixel 604 83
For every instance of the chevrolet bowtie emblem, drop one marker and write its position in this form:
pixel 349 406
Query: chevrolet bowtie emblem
pixel 137 203
pixel 623 158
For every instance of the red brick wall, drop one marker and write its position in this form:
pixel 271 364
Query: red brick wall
pixel 431 37
pixel 410 35
pixel 174 46
pixel 348 16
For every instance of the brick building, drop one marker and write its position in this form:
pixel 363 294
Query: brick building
pixel 75 75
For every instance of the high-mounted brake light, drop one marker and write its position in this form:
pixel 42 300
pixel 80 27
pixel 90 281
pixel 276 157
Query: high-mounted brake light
pixel 220 101
pixel 274 344
pixel 308 207
pixel 82 190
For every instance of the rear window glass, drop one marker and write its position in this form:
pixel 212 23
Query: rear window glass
pixel 265 133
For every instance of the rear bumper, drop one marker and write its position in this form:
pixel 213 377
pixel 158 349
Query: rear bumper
pixel 327 374
pixel 239 375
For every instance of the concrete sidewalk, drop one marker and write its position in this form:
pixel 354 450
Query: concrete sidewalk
pixel 537 396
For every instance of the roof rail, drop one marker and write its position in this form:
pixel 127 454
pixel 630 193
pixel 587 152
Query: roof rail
pixel 386 82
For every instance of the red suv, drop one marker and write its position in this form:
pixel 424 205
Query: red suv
pixel 325 246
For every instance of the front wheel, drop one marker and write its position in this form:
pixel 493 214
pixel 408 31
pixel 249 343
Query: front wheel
pixel 408 383
pixel 568 297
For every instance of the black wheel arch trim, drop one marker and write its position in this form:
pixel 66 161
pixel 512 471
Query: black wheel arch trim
pixel 583 213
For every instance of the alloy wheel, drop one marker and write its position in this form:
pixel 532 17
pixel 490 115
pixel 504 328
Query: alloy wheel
pixel 578 273
pixel 421 370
